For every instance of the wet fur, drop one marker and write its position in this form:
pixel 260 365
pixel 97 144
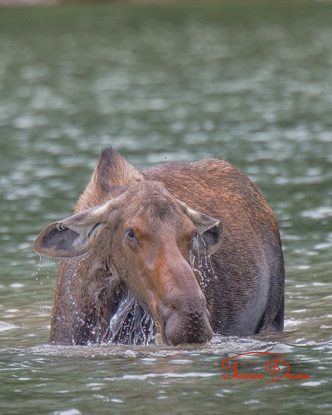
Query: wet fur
pixel 247 295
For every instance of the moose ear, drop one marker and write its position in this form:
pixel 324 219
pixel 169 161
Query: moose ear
pixel 75 235
pixel 209 232
pixel 111 170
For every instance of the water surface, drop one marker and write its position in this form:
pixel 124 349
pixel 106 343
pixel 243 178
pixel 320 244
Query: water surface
pixel 249 84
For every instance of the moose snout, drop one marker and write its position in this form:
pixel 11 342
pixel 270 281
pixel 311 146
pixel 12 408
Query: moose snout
pixel 186 319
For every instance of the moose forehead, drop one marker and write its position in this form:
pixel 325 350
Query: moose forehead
pixel 150 203
pixel 160 221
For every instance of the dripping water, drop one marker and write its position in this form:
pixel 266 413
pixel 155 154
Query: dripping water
pixel 201 264
pixel 131 324
pixel 42 274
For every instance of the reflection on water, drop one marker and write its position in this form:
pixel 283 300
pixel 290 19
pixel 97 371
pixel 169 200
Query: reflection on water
pixel 250 84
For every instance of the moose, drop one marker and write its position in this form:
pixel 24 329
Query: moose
pixel 178 252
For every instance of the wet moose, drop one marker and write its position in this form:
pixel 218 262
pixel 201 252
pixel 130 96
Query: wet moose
pixel 181 249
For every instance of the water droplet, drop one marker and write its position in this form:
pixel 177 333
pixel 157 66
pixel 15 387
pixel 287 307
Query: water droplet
pixel 202 265
pixel 131 324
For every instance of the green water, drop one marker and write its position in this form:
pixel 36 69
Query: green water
pixel 248 83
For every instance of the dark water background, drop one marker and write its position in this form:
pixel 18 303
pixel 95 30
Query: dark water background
pixel 249 83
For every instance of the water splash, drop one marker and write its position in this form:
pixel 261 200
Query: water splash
pixel 131 324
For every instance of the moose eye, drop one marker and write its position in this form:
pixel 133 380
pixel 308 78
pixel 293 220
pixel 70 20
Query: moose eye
pixel 130 234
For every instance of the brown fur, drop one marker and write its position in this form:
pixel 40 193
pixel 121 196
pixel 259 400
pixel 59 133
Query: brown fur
pixel 249 263
pixel 244 295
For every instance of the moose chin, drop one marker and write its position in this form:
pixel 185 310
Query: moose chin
pixel 138 234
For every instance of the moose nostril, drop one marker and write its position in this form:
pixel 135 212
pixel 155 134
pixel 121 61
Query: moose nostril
pixel 186 304
pixel 185 319
pixel 181 329
pixel 165 310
